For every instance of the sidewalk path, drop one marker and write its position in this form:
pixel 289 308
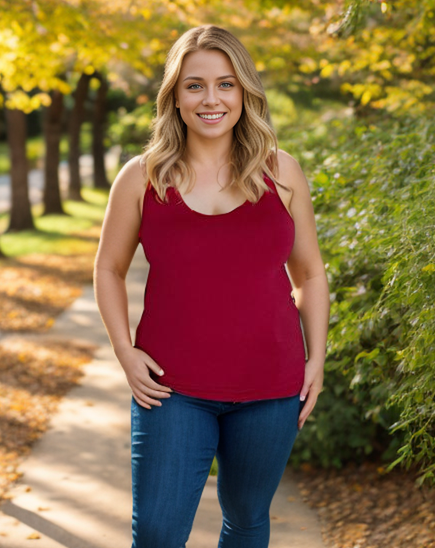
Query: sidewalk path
pixel 75 491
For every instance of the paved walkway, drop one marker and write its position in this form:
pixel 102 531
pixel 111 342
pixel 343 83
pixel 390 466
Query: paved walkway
pixel 75 488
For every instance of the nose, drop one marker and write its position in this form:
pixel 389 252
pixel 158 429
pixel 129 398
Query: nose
pixel 211 97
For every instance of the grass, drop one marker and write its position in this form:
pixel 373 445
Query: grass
pixel 75 233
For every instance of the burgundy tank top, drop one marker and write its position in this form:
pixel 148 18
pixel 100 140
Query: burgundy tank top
pixel 218 316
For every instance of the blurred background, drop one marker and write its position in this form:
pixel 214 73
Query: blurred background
pixel 351 89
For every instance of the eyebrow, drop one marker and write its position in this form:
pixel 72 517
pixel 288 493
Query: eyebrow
pixel 199 78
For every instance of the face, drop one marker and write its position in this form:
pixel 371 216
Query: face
pixel 208 84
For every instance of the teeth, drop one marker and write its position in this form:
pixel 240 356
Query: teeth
pixel 211 116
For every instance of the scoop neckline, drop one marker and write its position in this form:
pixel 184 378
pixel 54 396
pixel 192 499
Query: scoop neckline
pixel 188 208
pixel 208 214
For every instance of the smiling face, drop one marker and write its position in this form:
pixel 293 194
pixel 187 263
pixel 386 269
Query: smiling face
pixel 208 85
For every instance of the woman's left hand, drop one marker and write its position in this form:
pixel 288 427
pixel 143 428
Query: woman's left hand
pixel 313 384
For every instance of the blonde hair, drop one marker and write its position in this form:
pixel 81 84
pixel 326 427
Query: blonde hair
pixel 254 148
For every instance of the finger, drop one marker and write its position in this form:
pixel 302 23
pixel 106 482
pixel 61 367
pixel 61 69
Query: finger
pixel 152 384
pixel 140 402
pixel 154 366
pixel 144 396
pixel 306 410
pixel 146 389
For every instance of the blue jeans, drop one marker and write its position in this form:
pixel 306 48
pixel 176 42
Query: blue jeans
pixel 172 450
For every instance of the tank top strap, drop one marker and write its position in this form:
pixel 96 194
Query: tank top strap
pixel 269 182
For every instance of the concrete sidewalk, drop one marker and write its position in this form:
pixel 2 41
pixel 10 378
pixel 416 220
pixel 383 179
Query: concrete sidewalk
pixel 75 491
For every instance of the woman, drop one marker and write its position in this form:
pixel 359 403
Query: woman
pixel 218 366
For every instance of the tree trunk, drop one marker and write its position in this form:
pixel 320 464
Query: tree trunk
pixel 98 133
pixel 21 213
pixel 76 120
pixel 52 134
pixel 2 254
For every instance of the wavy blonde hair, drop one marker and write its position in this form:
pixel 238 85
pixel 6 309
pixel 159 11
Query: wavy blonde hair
pixel 254 148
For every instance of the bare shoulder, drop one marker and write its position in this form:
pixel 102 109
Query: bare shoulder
pixel 122 219
pixel 290 172
pixel 128 189
pixel 130 179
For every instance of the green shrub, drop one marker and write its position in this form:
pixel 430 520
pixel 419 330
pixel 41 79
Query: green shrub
pixel 132 129
pixel 372 186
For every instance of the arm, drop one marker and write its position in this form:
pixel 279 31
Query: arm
pixel 308 276
pixel 116 249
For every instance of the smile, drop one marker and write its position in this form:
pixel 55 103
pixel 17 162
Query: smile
pixel 211 118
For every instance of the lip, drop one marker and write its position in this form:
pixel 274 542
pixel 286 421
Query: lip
pixel 211 121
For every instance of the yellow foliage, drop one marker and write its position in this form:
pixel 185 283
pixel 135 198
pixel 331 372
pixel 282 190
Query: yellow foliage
pixel 307 65
pixel 277 63
pixel 381 65
pixel 327 71
pixel 344 66
pixel 63 38
pixel 146 13
pixel 365 98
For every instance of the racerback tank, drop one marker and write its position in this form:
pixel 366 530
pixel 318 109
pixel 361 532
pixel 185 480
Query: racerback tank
pixel 218 316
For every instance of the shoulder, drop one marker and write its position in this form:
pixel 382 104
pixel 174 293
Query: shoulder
pixel 290 172
pixel 132 173
pixel 129 184
pixel 293 185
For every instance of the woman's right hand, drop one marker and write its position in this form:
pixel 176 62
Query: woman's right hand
pixel 136 364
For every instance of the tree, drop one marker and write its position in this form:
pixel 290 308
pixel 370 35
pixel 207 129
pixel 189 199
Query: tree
pixel 98 133
pixel 21 215
pixel 52 134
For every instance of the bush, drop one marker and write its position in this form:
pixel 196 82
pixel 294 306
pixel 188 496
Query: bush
pixel 132 129
pixel 372 186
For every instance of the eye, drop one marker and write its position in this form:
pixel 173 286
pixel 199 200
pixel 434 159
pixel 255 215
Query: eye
pixel 223 83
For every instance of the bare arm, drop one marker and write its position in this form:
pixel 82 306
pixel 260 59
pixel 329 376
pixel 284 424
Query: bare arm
pixel 118 243
pixel 308 276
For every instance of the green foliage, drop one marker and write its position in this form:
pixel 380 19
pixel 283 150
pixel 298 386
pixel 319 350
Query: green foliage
pixel 282 110
pixel 132 129
pixel 375 206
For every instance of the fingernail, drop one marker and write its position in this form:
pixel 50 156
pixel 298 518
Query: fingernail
pixel 302 398
pixel 161 372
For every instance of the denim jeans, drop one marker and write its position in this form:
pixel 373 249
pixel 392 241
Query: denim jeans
pixel 172 450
